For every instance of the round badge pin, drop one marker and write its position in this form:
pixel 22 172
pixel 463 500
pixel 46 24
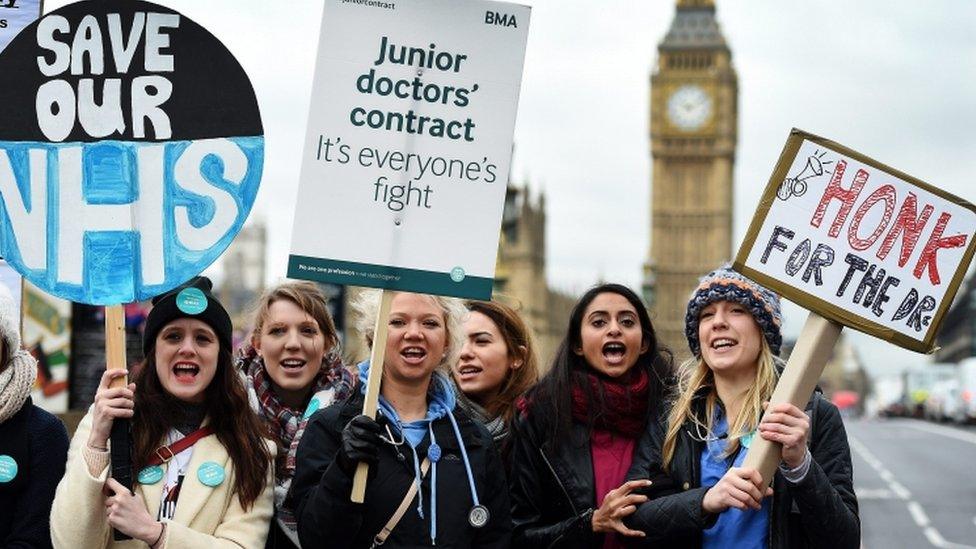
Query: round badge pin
pixel 313 406
pixel 191 301
pixel 8 469
pixel 478 516
pixel 434 452
pixel 210 474
pixel 746 440
pixel 457 274
pixel 150 475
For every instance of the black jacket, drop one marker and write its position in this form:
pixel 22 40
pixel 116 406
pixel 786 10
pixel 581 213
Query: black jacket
pixel 553 494
pixel 320 491
pixel 38 443
pixel 819 511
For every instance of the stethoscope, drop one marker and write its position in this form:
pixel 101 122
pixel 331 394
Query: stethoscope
pixel 478 515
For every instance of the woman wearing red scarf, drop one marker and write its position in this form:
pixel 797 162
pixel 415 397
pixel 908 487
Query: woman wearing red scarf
pixel 575 437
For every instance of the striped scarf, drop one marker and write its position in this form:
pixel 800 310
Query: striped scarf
pixel 286 425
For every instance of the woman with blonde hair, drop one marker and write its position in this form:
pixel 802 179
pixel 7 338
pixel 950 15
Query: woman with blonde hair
pixel 701 495
pixel 496 366
pixel 434 477
pixel 292 367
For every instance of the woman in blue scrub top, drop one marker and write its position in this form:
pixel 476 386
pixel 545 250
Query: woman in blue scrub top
pixel 701 495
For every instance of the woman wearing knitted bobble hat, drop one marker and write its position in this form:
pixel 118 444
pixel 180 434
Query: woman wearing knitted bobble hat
pixel 205 474
pixel 701 495
pixel 33 443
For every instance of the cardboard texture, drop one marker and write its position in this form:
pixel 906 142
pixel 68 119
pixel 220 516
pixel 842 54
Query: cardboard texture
pixel 865 245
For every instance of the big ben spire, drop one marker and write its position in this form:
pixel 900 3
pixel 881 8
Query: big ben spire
pixel 694 94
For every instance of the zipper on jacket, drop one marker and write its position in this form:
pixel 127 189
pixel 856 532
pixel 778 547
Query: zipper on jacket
pixel 559 482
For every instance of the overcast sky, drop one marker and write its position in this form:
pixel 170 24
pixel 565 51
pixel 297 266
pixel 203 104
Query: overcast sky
pixel 893 79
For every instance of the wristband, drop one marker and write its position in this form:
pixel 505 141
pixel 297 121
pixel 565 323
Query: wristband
pixel 162 530
pixel 586 520
pixel 797 474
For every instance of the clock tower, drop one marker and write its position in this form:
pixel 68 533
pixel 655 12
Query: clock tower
pixel 694 94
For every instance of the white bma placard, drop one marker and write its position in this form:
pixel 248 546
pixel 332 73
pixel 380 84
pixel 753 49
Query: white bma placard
pixel 408 144
pixel 14 16
pixel 859 242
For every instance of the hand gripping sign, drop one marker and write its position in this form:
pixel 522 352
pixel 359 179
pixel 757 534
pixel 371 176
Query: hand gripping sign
pixel 407 151
pixel 859 244
pixel 131 150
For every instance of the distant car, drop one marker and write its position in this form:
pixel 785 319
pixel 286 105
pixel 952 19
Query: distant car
pixel 966 374
pixel 918 381
pixel 943 402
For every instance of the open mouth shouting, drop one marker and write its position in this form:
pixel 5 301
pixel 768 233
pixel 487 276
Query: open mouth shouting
pixel 413 355
pixel 292 366
pixel 614 353
pixel 186 372
pixel 723 344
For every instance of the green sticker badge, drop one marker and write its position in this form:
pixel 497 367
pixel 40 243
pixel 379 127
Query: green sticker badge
pixel 313 406
pixel 191 301
pixel 457 274
pixel 210 474
pixel 150 475
pixel 746 440
pixel 8 469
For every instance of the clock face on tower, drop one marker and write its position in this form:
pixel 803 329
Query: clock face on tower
pixel 689 107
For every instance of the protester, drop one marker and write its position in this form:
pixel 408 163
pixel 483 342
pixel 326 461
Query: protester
pixel 462 500
pixel 701 494
pixel 33 443
pixel 205 474
pixel 574 439
pixel 497 365
pixel 292 368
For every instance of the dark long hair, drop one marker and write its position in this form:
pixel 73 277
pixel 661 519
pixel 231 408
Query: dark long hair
pixel 237 427
pixel 551 399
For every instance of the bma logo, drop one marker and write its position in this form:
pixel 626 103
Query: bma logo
pixel 503 19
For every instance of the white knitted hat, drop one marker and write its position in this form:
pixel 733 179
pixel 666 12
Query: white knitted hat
pixel 9 320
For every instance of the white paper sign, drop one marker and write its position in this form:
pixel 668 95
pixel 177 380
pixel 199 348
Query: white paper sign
pixel 860 242
pixel 14 16
pixel 408 144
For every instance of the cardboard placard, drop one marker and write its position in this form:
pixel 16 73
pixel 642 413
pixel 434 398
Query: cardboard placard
pixel 15 15
pixel 408 145
pixel 131 150
pixel 858 242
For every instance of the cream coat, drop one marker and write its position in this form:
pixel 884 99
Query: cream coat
pixel 205 517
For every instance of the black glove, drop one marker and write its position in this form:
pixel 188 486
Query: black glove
pixel 360 442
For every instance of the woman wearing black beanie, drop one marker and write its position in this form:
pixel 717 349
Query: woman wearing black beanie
pixel 204 472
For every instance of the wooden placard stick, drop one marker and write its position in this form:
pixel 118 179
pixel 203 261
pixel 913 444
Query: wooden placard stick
pixel 371 402
pixel 796 384
pixel 115 342
pixel 121 444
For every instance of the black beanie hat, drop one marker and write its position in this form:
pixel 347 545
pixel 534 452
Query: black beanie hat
pixel 190 300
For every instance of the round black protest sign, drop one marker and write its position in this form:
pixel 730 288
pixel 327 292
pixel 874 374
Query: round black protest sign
pixel 131 150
